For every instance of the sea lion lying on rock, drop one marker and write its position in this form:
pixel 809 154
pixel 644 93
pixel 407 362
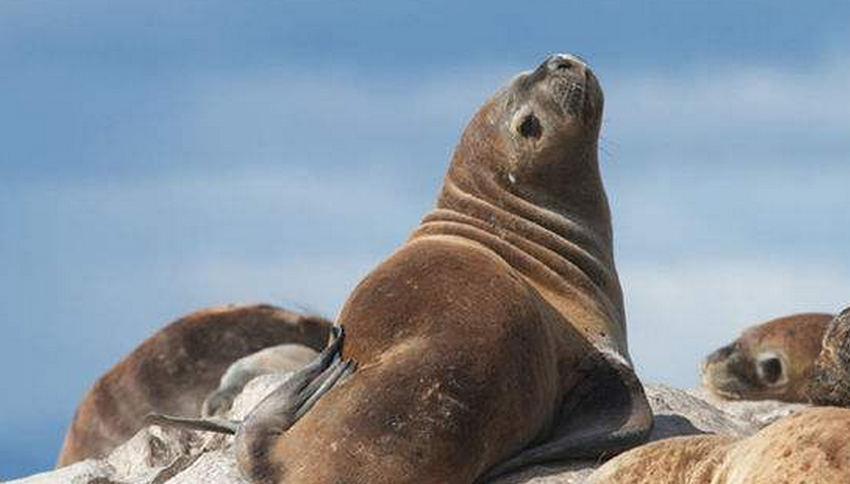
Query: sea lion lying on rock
pixel 176 369
pixel 806 447
pixel 493 338
pixel 771 361
pixel 277 359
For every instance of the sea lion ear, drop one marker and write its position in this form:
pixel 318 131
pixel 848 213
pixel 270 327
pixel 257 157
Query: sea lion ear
pixel 525 124
pixel 608 415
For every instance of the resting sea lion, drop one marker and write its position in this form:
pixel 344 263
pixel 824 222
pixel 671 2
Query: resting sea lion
pixel 174 370
pixel 771 361
pixel 277 359
pixel 494 337
pixel 807 447
pixel 830 383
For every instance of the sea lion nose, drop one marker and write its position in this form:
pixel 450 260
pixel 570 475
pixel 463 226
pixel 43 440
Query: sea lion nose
pixel 561 63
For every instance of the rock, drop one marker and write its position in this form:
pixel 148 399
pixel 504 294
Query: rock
pixel 215 467
pixel 757 412
pixel 85 472
pixel 831 379
pixel 679 412
pixel 173 456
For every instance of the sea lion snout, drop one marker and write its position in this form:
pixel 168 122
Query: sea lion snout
pixel 566 63
pixel 721 353
pixel 727 371
pixel 552 113
pixel 568 82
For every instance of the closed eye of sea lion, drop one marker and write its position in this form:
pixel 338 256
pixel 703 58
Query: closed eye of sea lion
pixel 494 337
pixel 174 370
pixel 774 360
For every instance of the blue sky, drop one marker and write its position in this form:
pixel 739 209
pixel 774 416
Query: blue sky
pixel 158 157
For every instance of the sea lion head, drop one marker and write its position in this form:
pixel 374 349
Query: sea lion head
pixel 538 132
pixel 774 360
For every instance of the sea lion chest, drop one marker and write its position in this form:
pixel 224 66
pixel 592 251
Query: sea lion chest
pixel 439 288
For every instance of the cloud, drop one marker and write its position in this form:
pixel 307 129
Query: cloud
pixel 725 111
pixel 680 312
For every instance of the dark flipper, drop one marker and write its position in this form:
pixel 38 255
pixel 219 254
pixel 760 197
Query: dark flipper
pixel 209 424
pixel 276 413
pixel 287 403
pixel 283 406
pixel 608 415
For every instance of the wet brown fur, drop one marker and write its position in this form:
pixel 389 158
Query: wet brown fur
pixel 176 368
pixel 472 339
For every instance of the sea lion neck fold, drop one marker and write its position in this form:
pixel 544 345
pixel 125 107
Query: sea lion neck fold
pixel 534 195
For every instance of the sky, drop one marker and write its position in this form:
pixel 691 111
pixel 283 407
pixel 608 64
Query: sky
pixel 158 157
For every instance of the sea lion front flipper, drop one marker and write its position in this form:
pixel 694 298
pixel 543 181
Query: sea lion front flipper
pixel 608 415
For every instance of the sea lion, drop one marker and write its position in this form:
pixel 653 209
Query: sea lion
pixel 494 337
pixel 806 447
pixel 277 359
pixel 174 370
pixel 771 361
pixel 830 383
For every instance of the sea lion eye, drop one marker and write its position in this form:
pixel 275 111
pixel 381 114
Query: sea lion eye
pixel 770 370
pixel 530 127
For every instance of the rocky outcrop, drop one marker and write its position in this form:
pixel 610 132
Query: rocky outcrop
pixel 158 455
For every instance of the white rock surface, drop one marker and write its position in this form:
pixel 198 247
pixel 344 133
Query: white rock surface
pixel 171 456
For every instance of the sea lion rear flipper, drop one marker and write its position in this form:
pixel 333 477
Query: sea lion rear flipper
pixel 206 424
pixel 285 404
pixel 292 399
pixel 609 415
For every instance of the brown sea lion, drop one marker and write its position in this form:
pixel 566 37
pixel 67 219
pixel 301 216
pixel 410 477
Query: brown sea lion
pixel 494 337
pixel 770 361
pixel 807 447
pixel 830 383
pixel 174 370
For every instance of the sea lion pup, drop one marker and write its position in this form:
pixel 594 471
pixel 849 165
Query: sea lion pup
pixel 830 383
pixel 770 361
pixel 807 447
pixel 174 370
pixel 277 359
pixel 495 336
